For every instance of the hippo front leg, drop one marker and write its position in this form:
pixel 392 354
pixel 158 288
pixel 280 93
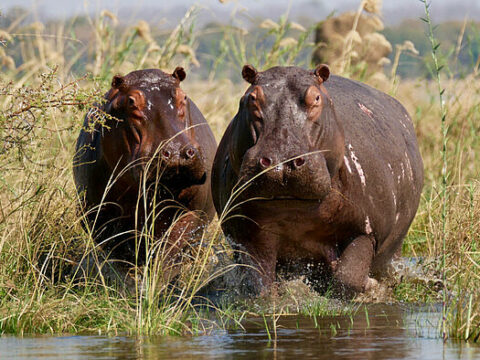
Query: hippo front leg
pixel 185 230
pixel 257 260
pixel 351 273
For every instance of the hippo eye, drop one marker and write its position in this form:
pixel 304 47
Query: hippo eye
pixel 312 97
pixel 313 102
pixel 131 101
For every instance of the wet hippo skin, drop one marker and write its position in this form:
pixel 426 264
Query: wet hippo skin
pixel 154 151
pixel 326 175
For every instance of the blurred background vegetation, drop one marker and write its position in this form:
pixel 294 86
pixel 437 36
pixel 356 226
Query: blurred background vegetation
pixel 208 46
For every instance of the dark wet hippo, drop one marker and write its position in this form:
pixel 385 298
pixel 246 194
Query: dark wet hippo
pixel 327 177
pixel 154 153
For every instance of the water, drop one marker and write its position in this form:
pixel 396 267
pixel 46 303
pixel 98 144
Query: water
pixel 380 332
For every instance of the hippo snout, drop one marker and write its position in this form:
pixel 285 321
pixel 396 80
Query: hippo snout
pixel 265 162
pixel 181 164
pixel 176 155
pixel 301 176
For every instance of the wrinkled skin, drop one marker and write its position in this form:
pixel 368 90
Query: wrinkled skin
pixel 157 141
pixel 334 176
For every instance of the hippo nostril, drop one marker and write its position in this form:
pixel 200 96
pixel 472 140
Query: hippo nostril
pixel 166 154
pixel 299 162
pixel 191 152
pixel 265 162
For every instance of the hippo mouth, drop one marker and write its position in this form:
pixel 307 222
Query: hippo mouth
pixel 282 204
pixel 283 201
pixel 285 190
pixel 288 197
pixel 286 201
pixel 181 181
pixel 276 197
pixel 172 186
pixel 201 180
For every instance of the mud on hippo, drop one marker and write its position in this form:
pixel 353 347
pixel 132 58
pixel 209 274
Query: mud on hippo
pixel 148 162
pixel 326 174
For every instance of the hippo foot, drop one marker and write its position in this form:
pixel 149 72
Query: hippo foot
pixel 240 283
pixel 252 283
pixel 371 284
pixel 351 274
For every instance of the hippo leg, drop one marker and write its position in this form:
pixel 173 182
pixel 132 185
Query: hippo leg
pixel 185 230
pixel 258 258
pixel 353 267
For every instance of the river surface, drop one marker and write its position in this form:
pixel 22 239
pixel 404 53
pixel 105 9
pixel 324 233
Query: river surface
pixel 375 332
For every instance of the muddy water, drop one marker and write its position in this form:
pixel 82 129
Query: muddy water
pixel 379 332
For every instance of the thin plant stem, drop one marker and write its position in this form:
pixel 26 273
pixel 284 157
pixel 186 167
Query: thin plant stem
pixel 348 48
pixel 444 130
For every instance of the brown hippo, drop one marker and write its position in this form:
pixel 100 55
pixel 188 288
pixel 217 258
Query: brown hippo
pixel 150 158
pixel 325 175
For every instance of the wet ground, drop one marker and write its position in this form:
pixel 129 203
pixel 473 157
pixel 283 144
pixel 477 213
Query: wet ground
pixel 374 332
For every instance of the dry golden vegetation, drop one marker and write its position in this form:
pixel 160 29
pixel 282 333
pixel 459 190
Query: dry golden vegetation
pixel 52 73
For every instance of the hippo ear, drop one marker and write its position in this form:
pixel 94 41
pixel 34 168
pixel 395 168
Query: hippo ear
pixel 118 81
pixel 249 73
pixel 322 71
pixel 179 73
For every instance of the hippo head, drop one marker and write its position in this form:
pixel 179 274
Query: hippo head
pixel 150 124
pixel 287 138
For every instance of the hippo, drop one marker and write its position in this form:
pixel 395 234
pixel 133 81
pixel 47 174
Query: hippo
pixel 316 172
pixel 143 161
